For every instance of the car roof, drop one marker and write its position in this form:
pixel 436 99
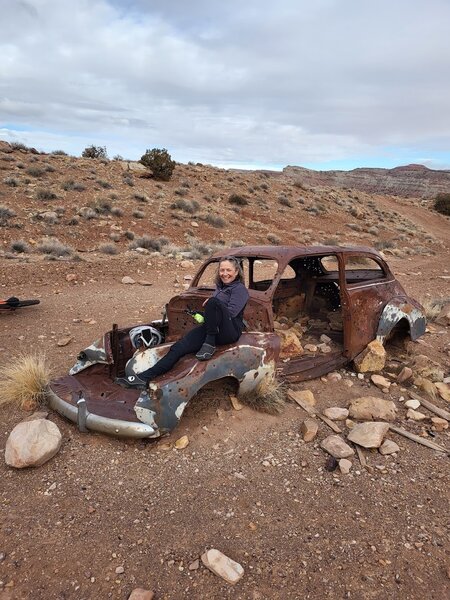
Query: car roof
pixel 290 252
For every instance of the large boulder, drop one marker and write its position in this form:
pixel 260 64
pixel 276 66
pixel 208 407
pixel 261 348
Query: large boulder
pixel 290 344
pixel 368 435
pixel 372 358
pixel 371 408
pixel 32 443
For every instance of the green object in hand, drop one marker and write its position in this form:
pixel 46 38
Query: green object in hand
pixel 198 318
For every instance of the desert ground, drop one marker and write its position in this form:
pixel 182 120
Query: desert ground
pixel 106 516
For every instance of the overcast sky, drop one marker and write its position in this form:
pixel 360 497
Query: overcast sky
pixel 248 83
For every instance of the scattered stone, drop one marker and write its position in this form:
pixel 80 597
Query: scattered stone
pixel 443 317
pixel 404 375
pixel 380 381
pixel 306 396
pixel 290 344
pixel 32 443
pixel 194 565
pixel 371 407
pixel 336 413
pixel 444 390
pixel 324 348
pixel 186 264
pixel 128 280
pixel 235 403
pixel 336 446
pixel 334 376
pixel 194 224
pixel 222 566
pixel 372 358
pixel 325 339
pixel 331 464
pixel 310 347
pixel 71 277
pixel 182 442
pixel 388 447
pixel 414 404
pixel 439 424
pixel 39 414
pixel 141 594
pixel 119 570
pixel 309 429
pixel 349 423
pixel 368 435
pixel 144 282
pixel 415 415
pixel 64 340
pixel 345 465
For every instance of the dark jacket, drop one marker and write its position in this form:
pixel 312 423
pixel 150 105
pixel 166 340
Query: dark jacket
pixel 234 296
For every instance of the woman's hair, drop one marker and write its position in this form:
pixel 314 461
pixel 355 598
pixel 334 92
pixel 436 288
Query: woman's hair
pixel 237 265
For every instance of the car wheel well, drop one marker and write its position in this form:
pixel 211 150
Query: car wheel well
pixel 398 333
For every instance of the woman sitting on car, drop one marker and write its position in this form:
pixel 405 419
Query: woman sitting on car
pixel 223 324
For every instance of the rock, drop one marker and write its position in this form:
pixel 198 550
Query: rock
pixel 336 413
pixel 336 446
pixel 325 339
pixel 222 566
pixel 290 344
pixel 310 347
pixel 334 376
pixel 349 423
pixel 194 565
pixel 331 464
pixel 412 404
pixel 141 594
pixel 443 317
pixel 39 414
pixel 71 277
pixel 194 224
pixel 119 570
pixel 182 442
pixel 186 264
pixel 415 415
pixel 324 348
pixel 345 465
pixel 404 375
pixel 380 381
pixel 439 424
pixel 388 447
pixel 235 403
pixel 368 435
pixel 444 390
pixel 64 340
pixel 128 280
pixel 371 407
pixel 309 429
pixel 306 396
pixel 144 282
pixel 372 358
pixel 32 443
pixel 427 368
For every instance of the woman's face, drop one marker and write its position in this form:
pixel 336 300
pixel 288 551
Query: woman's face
pixel 227 272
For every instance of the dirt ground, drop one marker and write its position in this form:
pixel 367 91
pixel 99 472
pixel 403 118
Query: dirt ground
pixel 246 484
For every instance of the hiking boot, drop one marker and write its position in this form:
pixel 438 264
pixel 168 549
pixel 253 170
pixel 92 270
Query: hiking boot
pixel 132 381
pixel 205 352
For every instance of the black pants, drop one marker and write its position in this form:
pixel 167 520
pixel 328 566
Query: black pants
pixel 218 322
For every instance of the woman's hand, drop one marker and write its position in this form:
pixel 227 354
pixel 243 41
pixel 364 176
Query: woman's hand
pixel 204 303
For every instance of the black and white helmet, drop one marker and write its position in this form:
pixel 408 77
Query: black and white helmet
pixel 145 336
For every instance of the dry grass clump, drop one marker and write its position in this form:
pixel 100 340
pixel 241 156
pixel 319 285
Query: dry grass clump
pixel 11 181
pixel 54 247
pixel 268 396
pixel 433 306
pixel 108 249
pixel 237 200
pixel 24 382
pixel 149 243
pixel 5 214
pixel 188 206
pixel 20 247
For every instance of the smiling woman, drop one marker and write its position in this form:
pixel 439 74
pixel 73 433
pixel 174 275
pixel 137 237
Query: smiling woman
pixel 222 324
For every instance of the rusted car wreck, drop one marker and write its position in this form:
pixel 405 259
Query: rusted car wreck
pixel 348 294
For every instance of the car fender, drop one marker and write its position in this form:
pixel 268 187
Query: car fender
pixel 395 311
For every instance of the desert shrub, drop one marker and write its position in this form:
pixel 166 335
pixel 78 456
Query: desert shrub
pixel 87 212
pixel 215 221
pixel 20 165
pixel 182 191
pixel 442 204
pixel 7 158
pixel 267 397
pixel 58 153
pixel 73 185
pixel 104 184
pixel 188 206
pixel 114 236
pixel 101 207
pixel 236 244
pixel 128 180
pixel 148 243
pixel 433 306
pixel 382 244
pixel 35 171
pixel 95 152
pixel 140 197
pixel 117 211
pixel 60 210
pixel 11 181
pixel 285 201
pixel 50 168
pixel 42 194
pixel 53 247
pixel 159 162
pixel 20 246
pixel 24 382
pixel 138 214
pixel 73 221
pixel 298 184
pixel 108 249
pixel 5 214
pixel 237 200
pixel 130 235
pixel 18 146
pixel 273 239
pixel 118 157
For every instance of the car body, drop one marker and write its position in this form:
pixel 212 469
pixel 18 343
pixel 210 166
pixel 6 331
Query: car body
pixel 347 294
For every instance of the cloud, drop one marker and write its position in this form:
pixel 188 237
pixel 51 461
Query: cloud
pixel 231 83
